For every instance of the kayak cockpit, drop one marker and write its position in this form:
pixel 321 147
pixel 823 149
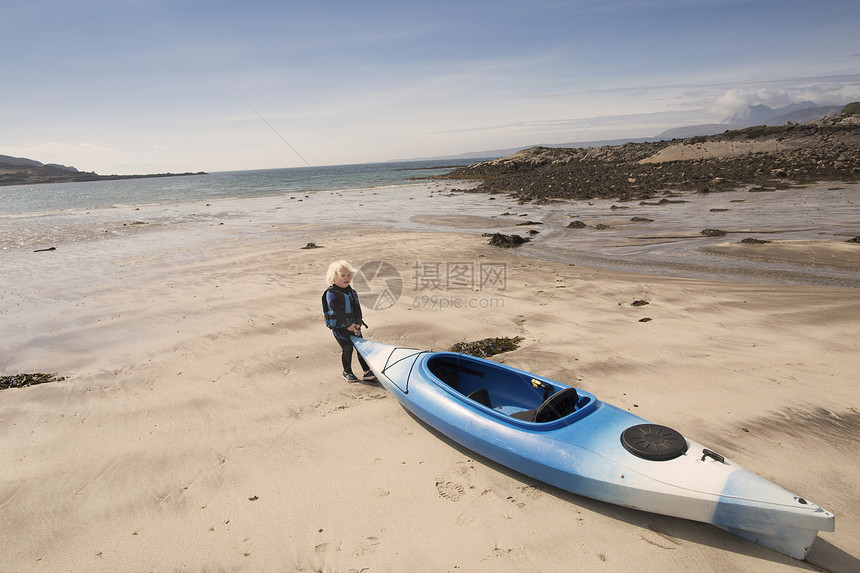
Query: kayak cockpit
pixel 508 391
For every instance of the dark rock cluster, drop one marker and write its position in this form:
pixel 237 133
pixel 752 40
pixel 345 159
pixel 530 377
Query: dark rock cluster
pixel 506 241
pixel 791 154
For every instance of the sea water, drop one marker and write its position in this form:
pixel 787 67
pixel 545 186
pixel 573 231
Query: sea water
pixel 43 198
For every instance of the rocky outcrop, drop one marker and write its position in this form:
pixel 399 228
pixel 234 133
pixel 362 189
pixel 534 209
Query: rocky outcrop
pixel 764 156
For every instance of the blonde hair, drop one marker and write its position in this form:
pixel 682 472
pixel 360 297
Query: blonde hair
pixel 337 268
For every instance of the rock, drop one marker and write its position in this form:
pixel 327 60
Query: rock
pixel 577 225
pixel 507 241
pixel 751 241
pixel 642 220
pixel 713 232
pixel 854 240
pixel 765 157
pixel 312 246
pixel 639 303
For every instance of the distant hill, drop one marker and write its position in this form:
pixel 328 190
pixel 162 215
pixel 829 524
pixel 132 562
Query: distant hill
pixel 760 114
pixel 805 115
pixel 7 162
pixel 22 171
pixel 756 115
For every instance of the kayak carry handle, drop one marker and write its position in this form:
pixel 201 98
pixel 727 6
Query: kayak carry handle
pixel 547 389
pixel 706 453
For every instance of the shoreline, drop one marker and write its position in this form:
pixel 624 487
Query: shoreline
pixel 807 230
pixel 203 423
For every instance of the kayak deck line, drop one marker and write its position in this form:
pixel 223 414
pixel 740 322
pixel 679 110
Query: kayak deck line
pixel 568 438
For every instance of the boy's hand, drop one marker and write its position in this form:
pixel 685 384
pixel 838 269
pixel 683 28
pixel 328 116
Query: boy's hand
pixel 355 329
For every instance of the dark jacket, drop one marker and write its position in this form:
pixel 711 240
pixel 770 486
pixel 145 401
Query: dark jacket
pixel 342 309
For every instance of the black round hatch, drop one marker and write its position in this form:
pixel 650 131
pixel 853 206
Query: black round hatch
pixel 653 442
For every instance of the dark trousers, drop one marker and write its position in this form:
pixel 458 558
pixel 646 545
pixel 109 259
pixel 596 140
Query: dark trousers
pixel 346 348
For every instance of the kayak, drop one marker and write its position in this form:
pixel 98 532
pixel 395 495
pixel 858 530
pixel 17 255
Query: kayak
pixel 568 438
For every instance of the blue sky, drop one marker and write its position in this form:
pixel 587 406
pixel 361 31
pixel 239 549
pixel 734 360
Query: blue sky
pixel 139 86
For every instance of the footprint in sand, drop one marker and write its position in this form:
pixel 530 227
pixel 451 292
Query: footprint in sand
pixel 531 491
pixel 450 490
pixel 660 540
pixel 322 548
pixel 368 545
pixel 519 504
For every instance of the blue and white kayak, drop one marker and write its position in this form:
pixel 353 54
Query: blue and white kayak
pixel 568 438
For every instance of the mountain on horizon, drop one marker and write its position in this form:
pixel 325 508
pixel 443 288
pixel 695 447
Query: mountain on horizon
pixel 760 114
pixel 21 171
pixel 16 163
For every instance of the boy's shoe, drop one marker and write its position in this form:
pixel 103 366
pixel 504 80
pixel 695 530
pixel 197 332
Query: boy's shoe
pixel 349 377
pixel 369 376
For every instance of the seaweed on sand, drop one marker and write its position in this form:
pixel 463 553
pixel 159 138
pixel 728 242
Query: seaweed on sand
pixel 24 380
pixel 488 346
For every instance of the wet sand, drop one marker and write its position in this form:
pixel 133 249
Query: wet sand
pixel 203 424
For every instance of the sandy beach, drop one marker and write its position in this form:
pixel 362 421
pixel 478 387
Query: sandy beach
pixel 203 424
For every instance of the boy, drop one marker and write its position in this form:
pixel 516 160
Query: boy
pixel 343 316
